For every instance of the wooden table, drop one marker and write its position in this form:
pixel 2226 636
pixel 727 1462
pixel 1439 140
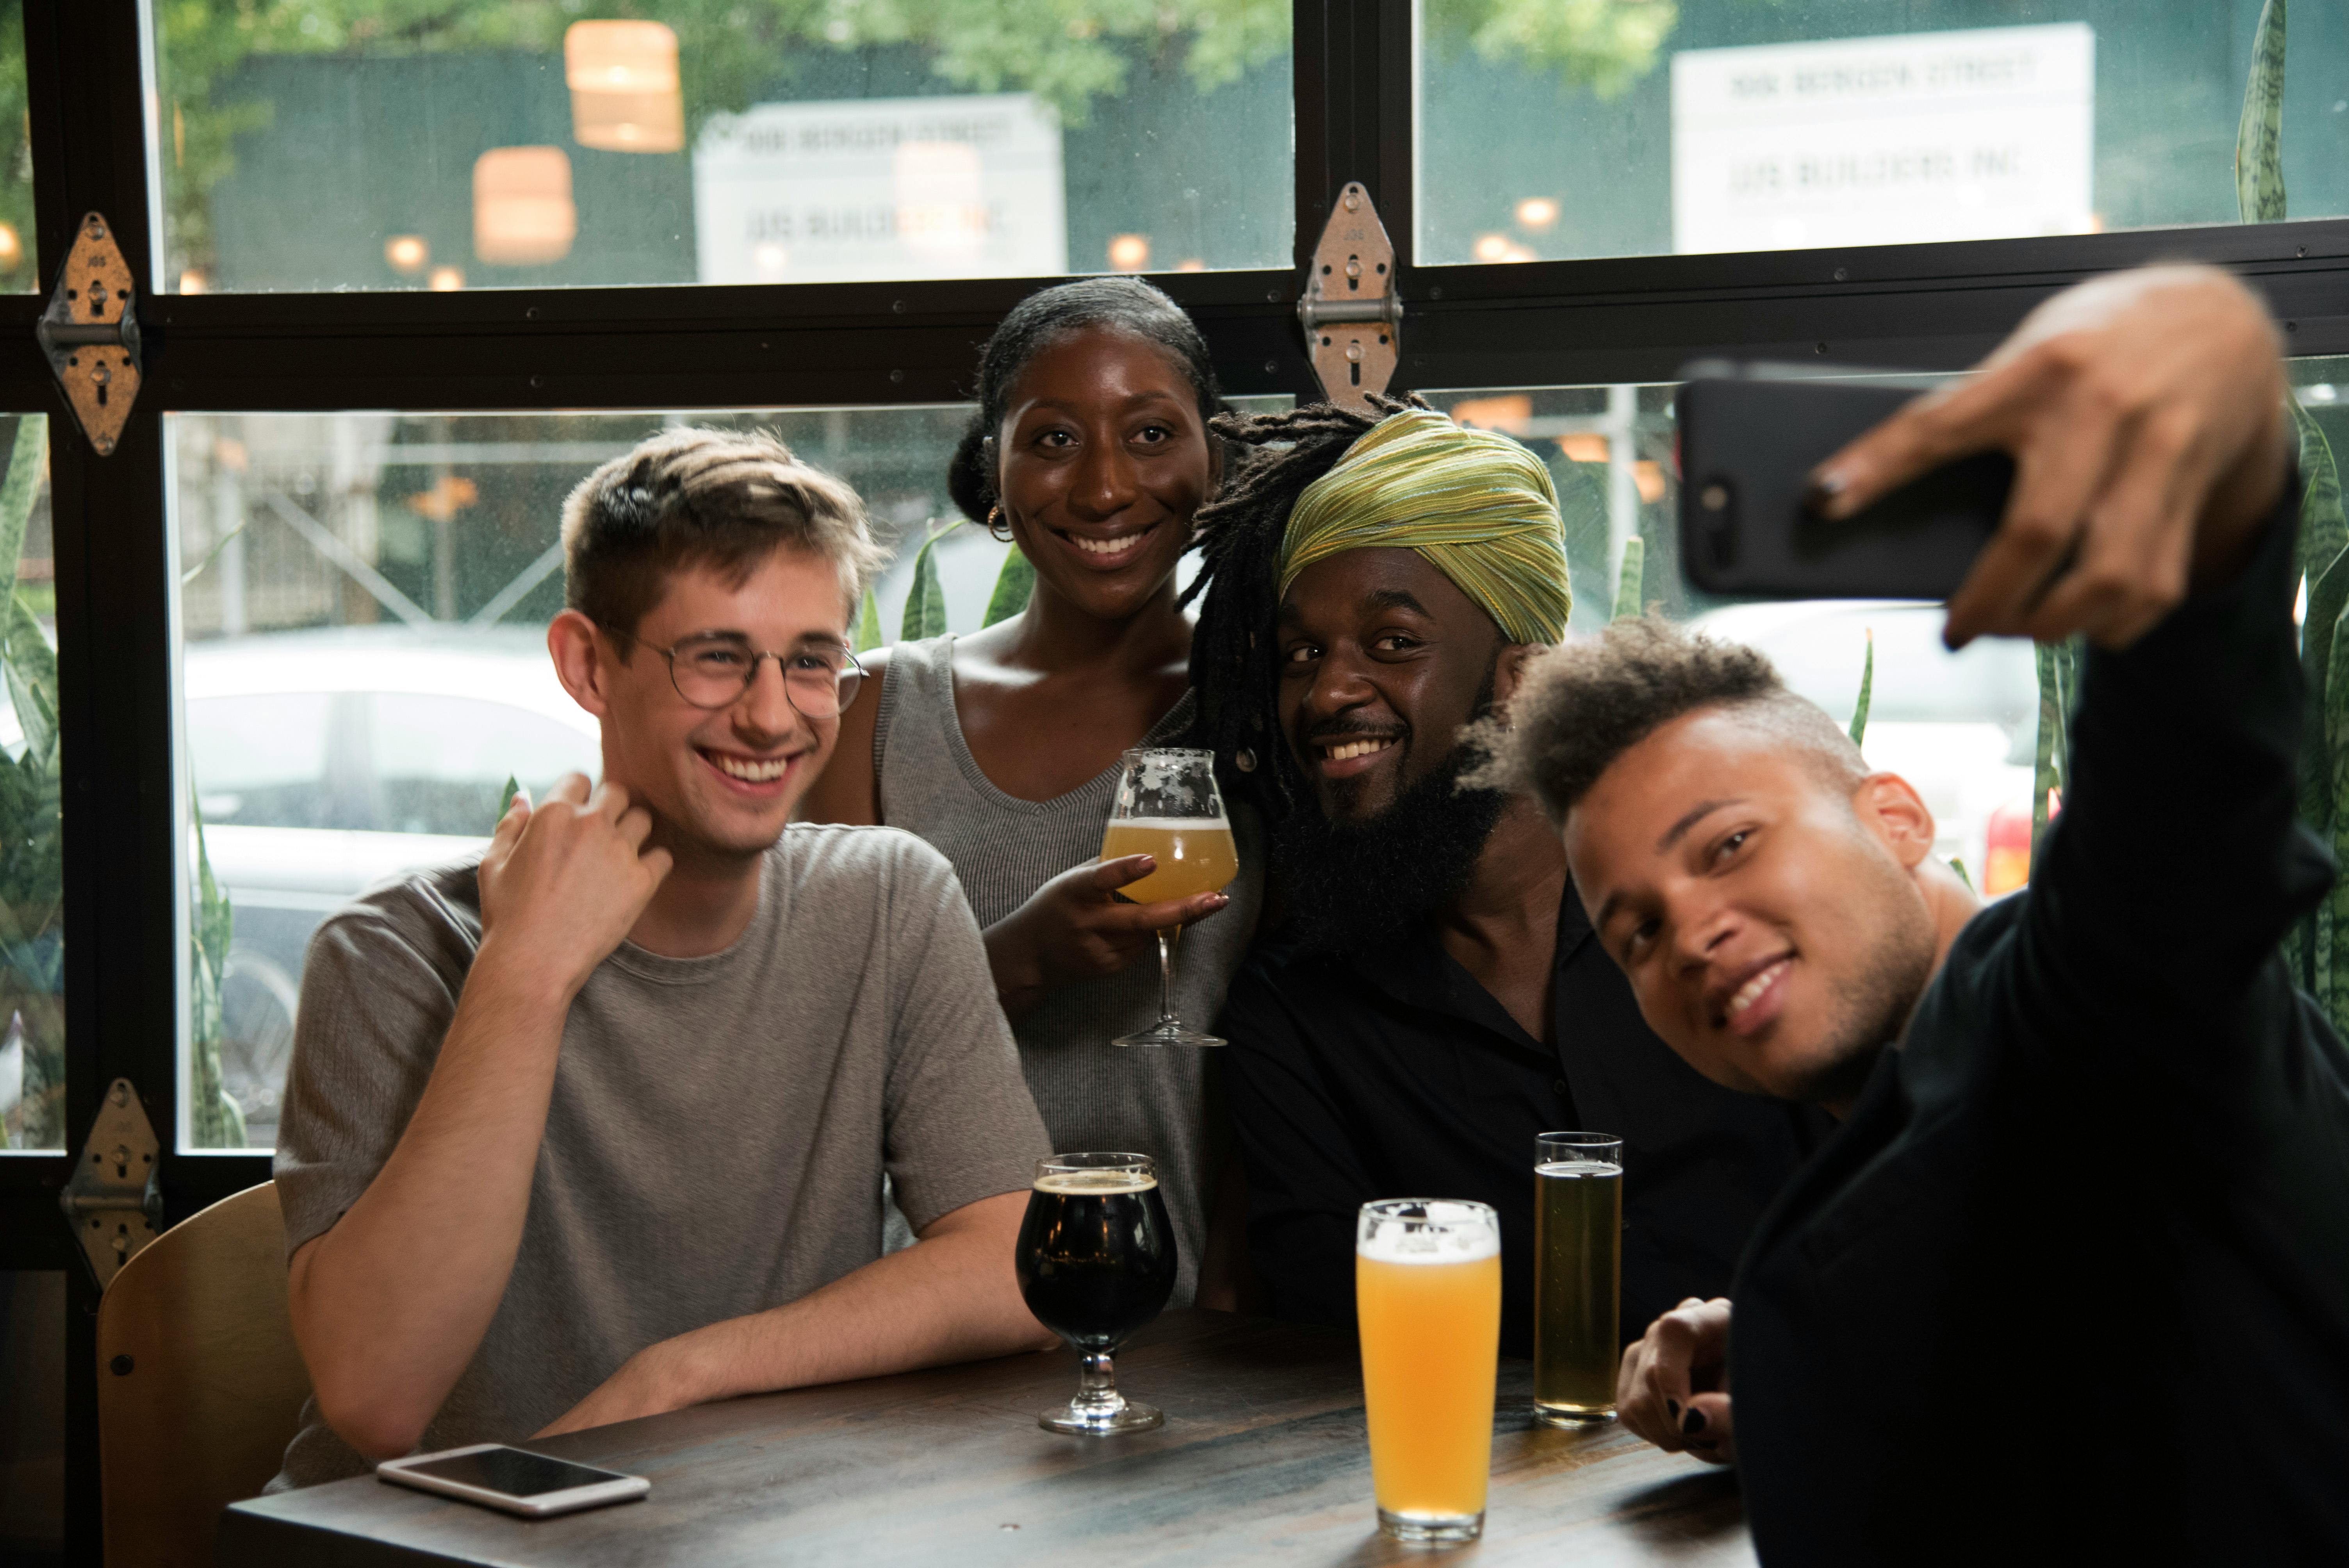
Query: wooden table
pixel 1263 1460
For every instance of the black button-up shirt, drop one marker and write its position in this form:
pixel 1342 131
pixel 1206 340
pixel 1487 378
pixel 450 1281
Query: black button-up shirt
pixel 1393 1073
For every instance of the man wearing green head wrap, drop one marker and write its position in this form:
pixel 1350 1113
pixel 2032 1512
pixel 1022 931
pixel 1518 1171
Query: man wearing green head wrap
pixel 1430 998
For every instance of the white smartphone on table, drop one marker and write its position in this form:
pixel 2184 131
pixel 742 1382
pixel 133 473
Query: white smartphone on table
pixel 514 1480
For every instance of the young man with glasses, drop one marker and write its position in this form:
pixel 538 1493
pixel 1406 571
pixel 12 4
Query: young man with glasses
pixel 594 1126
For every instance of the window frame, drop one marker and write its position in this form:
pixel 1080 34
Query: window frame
pixel 1354 84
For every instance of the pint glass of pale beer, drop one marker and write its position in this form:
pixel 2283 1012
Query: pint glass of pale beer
pixel 1427 1292
pixel 1578 1277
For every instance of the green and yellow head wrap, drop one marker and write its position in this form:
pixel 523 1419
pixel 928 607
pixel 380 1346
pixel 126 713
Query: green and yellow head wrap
pixel 1479 507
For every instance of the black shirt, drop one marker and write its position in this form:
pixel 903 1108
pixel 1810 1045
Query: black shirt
pixel 1394 1073
pixel 2073 1282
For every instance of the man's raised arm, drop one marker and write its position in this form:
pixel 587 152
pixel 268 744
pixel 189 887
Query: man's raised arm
pixel 390 1303
pixel 2152 512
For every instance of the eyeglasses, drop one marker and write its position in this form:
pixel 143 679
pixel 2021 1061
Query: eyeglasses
pixel 714 670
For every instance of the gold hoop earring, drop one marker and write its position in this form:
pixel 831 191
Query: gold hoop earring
pixel 1003 537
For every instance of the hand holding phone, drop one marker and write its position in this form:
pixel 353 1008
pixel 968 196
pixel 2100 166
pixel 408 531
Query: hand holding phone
pixel 514 1481
pixel 2144 415
pixel 2144 411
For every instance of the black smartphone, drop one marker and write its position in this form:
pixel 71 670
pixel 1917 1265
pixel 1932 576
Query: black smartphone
pixel 1750 435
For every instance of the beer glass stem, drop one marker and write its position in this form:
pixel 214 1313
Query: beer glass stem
pixel 1166 941
pixel 1097 1392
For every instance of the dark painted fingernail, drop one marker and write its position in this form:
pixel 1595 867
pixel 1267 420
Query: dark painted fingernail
pixel 1672 1408
pixel 1694 1421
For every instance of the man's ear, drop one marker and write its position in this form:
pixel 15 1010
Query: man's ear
pixel 578 650
pixel 1890 806
pixel 1510 667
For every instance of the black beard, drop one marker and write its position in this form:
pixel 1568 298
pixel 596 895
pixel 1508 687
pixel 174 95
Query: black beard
pixel 1352 884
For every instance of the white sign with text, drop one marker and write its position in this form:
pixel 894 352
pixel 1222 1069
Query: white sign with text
pixel 965 186
pixel 1983 134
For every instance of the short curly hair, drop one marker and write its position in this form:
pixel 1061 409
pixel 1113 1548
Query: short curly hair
pixel 1583 705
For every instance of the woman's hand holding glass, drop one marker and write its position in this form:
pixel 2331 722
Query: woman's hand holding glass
pixel 1075 927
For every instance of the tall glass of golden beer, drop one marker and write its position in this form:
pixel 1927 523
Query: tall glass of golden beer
pixel 1168 806
pixel 1578 1281
pixel 1427 1292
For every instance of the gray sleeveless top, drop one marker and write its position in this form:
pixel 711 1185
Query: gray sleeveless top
pixel 1165 1103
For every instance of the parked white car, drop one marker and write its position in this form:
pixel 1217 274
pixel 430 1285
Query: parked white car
pixel 1962 727
pixel 325 761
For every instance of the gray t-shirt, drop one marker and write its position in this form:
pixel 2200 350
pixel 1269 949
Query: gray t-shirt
pixel 720 1126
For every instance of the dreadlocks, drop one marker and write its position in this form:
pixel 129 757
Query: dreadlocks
pixel 1233 668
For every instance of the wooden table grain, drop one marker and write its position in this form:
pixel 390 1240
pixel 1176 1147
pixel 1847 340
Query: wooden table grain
pixel 1263 1460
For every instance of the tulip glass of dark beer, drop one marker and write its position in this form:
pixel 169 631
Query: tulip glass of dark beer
pixel 1096 1262
pixel 1579 1288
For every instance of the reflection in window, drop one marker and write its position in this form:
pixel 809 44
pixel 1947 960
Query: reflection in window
pixel 1644 127
pixel 372 144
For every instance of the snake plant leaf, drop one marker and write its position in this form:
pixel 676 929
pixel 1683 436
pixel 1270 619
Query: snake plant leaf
pixel 1866 691
pixel 2324 549
pixel 2059 694
pixel 1012 586
pixel 2329 960
pixel 506 797
pixel 28 456
pixel 31 667
pixel 2259 137
pixel 1958 864
pixel 925 601
pixel 1627 577
pixel 868 625
pixel 214 1117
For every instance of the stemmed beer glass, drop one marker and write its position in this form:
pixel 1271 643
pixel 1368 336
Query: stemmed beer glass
pixel 1168 806
pixel 1096 1262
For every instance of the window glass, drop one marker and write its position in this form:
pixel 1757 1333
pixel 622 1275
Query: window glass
pixel 321 144
pixel 32 864
pixel 363 603
pixel 1645 127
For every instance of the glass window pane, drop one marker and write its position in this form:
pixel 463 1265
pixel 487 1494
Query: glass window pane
pixel 1646 126
pixel 363 604
pixel 482 143
pixel 32 864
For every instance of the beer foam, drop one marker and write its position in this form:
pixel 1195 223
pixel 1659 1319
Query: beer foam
pixel 1474 1236
pixel 1174 824
pixel 1580 1170
pixel 1095 1183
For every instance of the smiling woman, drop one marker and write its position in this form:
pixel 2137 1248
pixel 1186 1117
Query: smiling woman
pixel 1090 448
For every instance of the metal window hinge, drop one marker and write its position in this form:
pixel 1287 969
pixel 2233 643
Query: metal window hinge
pixel 90 332
pixel 113 1202
pixel 1352 315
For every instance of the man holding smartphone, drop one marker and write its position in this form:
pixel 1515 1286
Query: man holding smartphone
pixel 595 1127
pixel 2072 1282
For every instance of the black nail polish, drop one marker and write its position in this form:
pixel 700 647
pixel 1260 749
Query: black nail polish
pixel 1672 1408
pixel 1694 1421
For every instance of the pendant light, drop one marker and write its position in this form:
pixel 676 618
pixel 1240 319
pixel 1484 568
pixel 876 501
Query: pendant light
pixel 624 86
pixel 523 215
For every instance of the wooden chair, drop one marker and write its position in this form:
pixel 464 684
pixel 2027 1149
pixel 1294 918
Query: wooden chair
pixel 199 1384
